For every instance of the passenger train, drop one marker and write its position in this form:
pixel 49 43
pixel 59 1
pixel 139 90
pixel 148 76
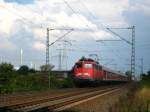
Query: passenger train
pixel 88 70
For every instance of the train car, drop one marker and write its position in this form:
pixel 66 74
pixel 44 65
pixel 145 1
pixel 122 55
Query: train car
pixel 88 70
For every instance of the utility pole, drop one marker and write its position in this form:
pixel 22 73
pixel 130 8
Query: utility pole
pixel 142 66
pixel 47 47
pixel 132 43
pixel 21 57
pixel 31 64
pixel 133 52
pixel 47 56
pixel 62 56
pixel 60 60
pixel 50 44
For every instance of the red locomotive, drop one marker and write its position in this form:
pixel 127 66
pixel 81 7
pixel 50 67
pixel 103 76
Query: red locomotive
pixel 91 71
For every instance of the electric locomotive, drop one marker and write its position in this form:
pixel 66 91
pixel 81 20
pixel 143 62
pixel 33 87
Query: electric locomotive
pixel 88 70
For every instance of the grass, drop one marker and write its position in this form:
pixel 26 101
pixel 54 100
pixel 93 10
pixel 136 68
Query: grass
pixel 33 82
pixel 136 100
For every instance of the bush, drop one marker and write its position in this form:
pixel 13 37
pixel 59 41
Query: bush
pixel 6 76
pixel 45 68
pixel 11 81
pixel 6 68
pixel 24 70
pixel 63 83
pixel 32 70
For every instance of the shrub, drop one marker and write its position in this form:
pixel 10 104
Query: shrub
pixel 6 68
pixel 45 68
pixel 6 75
pixel 24 70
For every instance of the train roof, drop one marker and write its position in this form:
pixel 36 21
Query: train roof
pixel 83 59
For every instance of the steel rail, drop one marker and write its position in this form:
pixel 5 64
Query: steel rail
pixel 56 104
pixel 47 98
pixel 59 101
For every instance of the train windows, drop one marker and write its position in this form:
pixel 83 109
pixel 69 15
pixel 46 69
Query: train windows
pixel 78 65
pixel 88 65
pixel 100 67
pixel 96 67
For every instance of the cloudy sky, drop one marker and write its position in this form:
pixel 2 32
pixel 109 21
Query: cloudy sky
pixel 23 25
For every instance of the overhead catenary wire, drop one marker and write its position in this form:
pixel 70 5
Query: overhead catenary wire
pixel 101 26
pixel 23 19
pixel 78 16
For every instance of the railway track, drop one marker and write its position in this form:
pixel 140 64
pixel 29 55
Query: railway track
pixel 18 98
pixel 61 102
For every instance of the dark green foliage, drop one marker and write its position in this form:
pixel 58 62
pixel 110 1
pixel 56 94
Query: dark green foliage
pixel 148 73
pixel 45 68
pixel 6 68
pixel 146 76
pixel 26 79
pixel 60 83
pixel 6 76
pixel 24 70
pixel 31 82
pixel 32 70
pixel 129 74
pixel 145 81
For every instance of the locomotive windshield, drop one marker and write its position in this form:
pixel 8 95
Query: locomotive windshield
pixel 88 65
pixel 78 65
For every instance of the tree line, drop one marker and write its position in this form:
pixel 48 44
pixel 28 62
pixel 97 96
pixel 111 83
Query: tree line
pixel 29 79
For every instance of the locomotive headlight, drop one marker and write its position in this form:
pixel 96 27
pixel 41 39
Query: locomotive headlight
pixel 79 74
pixel 85 73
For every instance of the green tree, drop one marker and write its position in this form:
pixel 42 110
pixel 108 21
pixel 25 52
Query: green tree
pixel 143 76
pixel 24 70
pixel 45 68
pixel 129 74
pixel 6 75
pixel 6 68
pixel 32 70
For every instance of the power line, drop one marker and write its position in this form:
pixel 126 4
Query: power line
pixel 100 24
pixel 50 44
pixel 91 14
pixel 23 19
pixel 78 16
pixel 130 43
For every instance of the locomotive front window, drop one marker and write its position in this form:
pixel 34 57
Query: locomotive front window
pixel 78 65
pixel 88 65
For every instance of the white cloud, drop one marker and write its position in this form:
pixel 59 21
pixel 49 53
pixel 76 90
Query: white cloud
pixel 25 25
pixel 35 18
pixel 6 44
pixel 75 21
pixel 39 34
pixel 6 21
pixel 102 35
pixel 39 46
pixel 109 12
pixel 143 6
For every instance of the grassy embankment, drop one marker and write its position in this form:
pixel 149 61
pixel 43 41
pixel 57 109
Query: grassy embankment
pixel 32 82
pixel 26 79
pixel 136 100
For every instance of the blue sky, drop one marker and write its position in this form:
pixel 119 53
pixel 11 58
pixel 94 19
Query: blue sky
pixel 20 1
pixel 23 25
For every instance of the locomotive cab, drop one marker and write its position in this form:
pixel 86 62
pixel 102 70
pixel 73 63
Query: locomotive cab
pixel 83 71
